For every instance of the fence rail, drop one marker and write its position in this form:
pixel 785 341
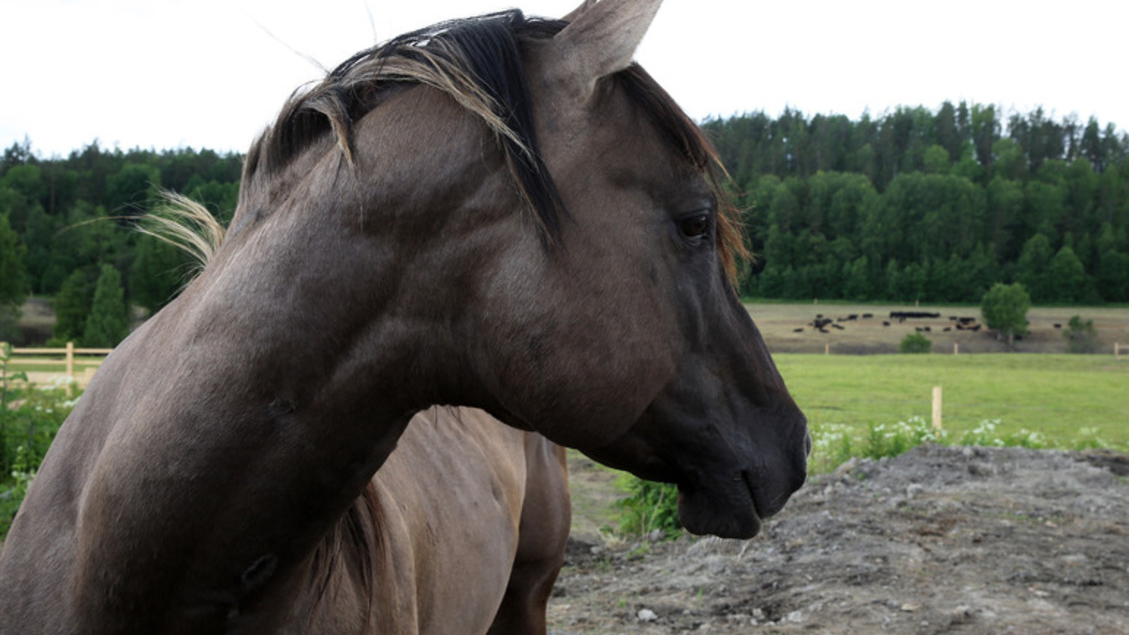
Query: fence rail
pixel 65 358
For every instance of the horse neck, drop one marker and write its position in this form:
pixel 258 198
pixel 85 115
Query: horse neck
pixel 269 393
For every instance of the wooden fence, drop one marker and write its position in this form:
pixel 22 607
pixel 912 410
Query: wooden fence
pixel 66 359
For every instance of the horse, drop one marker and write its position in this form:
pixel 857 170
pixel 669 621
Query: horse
pixel 473 548
pixel 502 213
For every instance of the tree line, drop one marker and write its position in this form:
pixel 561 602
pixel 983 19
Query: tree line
pixel 66 232
pixel 914 204
pixel 935 206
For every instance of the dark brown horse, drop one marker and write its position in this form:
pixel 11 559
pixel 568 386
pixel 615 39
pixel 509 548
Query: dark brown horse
pixel 500 213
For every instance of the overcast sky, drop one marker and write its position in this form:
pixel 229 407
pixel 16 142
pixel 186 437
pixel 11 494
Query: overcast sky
pixel 212 73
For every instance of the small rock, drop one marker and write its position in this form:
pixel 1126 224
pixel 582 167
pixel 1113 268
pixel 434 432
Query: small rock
pixel 979 468
pixel 795 617
pixel 961 614
pixel 646 615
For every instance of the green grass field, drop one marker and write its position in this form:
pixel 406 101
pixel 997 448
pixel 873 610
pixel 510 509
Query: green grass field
pixel 1065 398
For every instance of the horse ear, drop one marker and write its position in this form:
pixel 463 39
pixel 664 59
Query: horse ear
pixel 601 39
pixel 571 17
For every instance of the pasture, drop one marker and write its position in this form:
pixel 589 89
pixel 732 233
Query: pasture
pixel 787 328
pixel 1065 398
pixel 1068 399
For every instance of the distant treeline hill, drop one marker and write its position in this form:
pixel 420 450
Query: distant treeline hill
pixel 914 204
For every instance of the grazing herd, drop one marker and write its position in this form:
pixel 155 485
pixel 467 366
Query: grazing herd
pixel 821 322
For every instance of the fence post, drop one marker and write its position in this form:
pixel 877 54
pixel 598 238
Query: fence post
pixel 70 369
pixel 956 348
pixel 826 349
pixel 937 408
pixel 1117 351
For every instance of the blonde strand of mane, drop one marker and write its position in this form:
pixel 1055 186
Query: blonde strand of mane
pixel 447 77
pixel 186 225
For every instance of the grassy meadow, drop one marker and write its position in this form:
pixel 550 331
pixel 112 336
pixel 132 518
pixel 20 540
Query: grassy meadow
pixel 1064 398
pixel 1067 400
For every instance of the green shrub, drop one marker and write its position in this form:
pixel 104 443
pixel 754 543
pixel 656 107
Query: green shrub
pixel 915 343
pixel 1080 336
pixel 25 434
pixel 649 506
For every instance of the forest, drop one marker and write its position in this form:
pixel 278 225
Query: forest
pixel 68 232
pixel 931 206
pixel 915 204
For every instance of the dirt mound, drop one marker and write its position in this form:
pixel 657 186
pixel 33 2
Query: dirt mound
pixel 939 540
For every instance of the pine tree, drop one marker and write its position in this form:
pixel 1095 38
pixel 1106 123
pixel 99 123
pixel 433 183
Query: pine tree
pixel 13 280
pixel 72 307
pixel 108 323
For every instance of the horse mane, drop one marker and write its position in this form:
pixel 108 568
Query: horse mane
pixel 187 225
pixel 478 62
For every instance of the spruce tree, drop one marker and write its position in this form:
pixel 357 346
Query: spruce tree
pixel 108 323
pixel 13 280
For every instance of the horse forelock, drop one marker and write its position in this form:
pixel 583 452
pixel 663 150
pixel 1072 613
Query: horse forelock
pixel 476 61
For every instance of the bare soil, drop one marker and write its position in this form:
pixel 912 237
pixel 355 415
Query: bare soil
pixel 939 540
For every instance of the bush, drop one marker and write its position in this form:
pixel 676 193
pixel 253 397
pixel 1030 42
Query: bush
pixel 915 343
pixel 1080 336
pixel 26 432
pixel 649 506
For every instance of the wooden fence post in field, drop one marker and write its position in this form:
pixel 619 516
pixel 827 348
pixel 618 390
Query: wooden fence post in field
pixel 70 369
pixel 826 349
pixel 937 408
pixel 956 348
pixel 1117 351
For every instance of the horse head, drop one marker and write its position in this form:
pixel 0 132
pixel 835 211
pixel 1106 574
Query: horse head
pixel 530 224
pixel 538 230
pixel 624 336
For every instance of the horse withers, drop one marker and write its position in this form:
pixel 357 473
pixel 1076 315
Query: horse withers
pixel 501 213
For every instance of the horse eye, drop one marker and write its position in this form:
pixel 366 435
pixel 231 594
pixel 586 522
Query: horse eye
pixel 695 226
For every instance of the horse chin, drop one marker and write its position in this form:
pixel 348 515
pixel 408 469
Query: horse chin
pixel 726 514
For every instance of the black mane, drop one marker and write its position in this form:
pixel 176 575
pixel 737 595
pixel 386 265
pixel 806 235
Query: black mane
pixel 486 49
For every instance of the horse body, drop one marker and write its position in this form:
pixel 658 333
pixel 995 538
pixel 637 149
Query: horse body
pixel 463 529
pixel 503 214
